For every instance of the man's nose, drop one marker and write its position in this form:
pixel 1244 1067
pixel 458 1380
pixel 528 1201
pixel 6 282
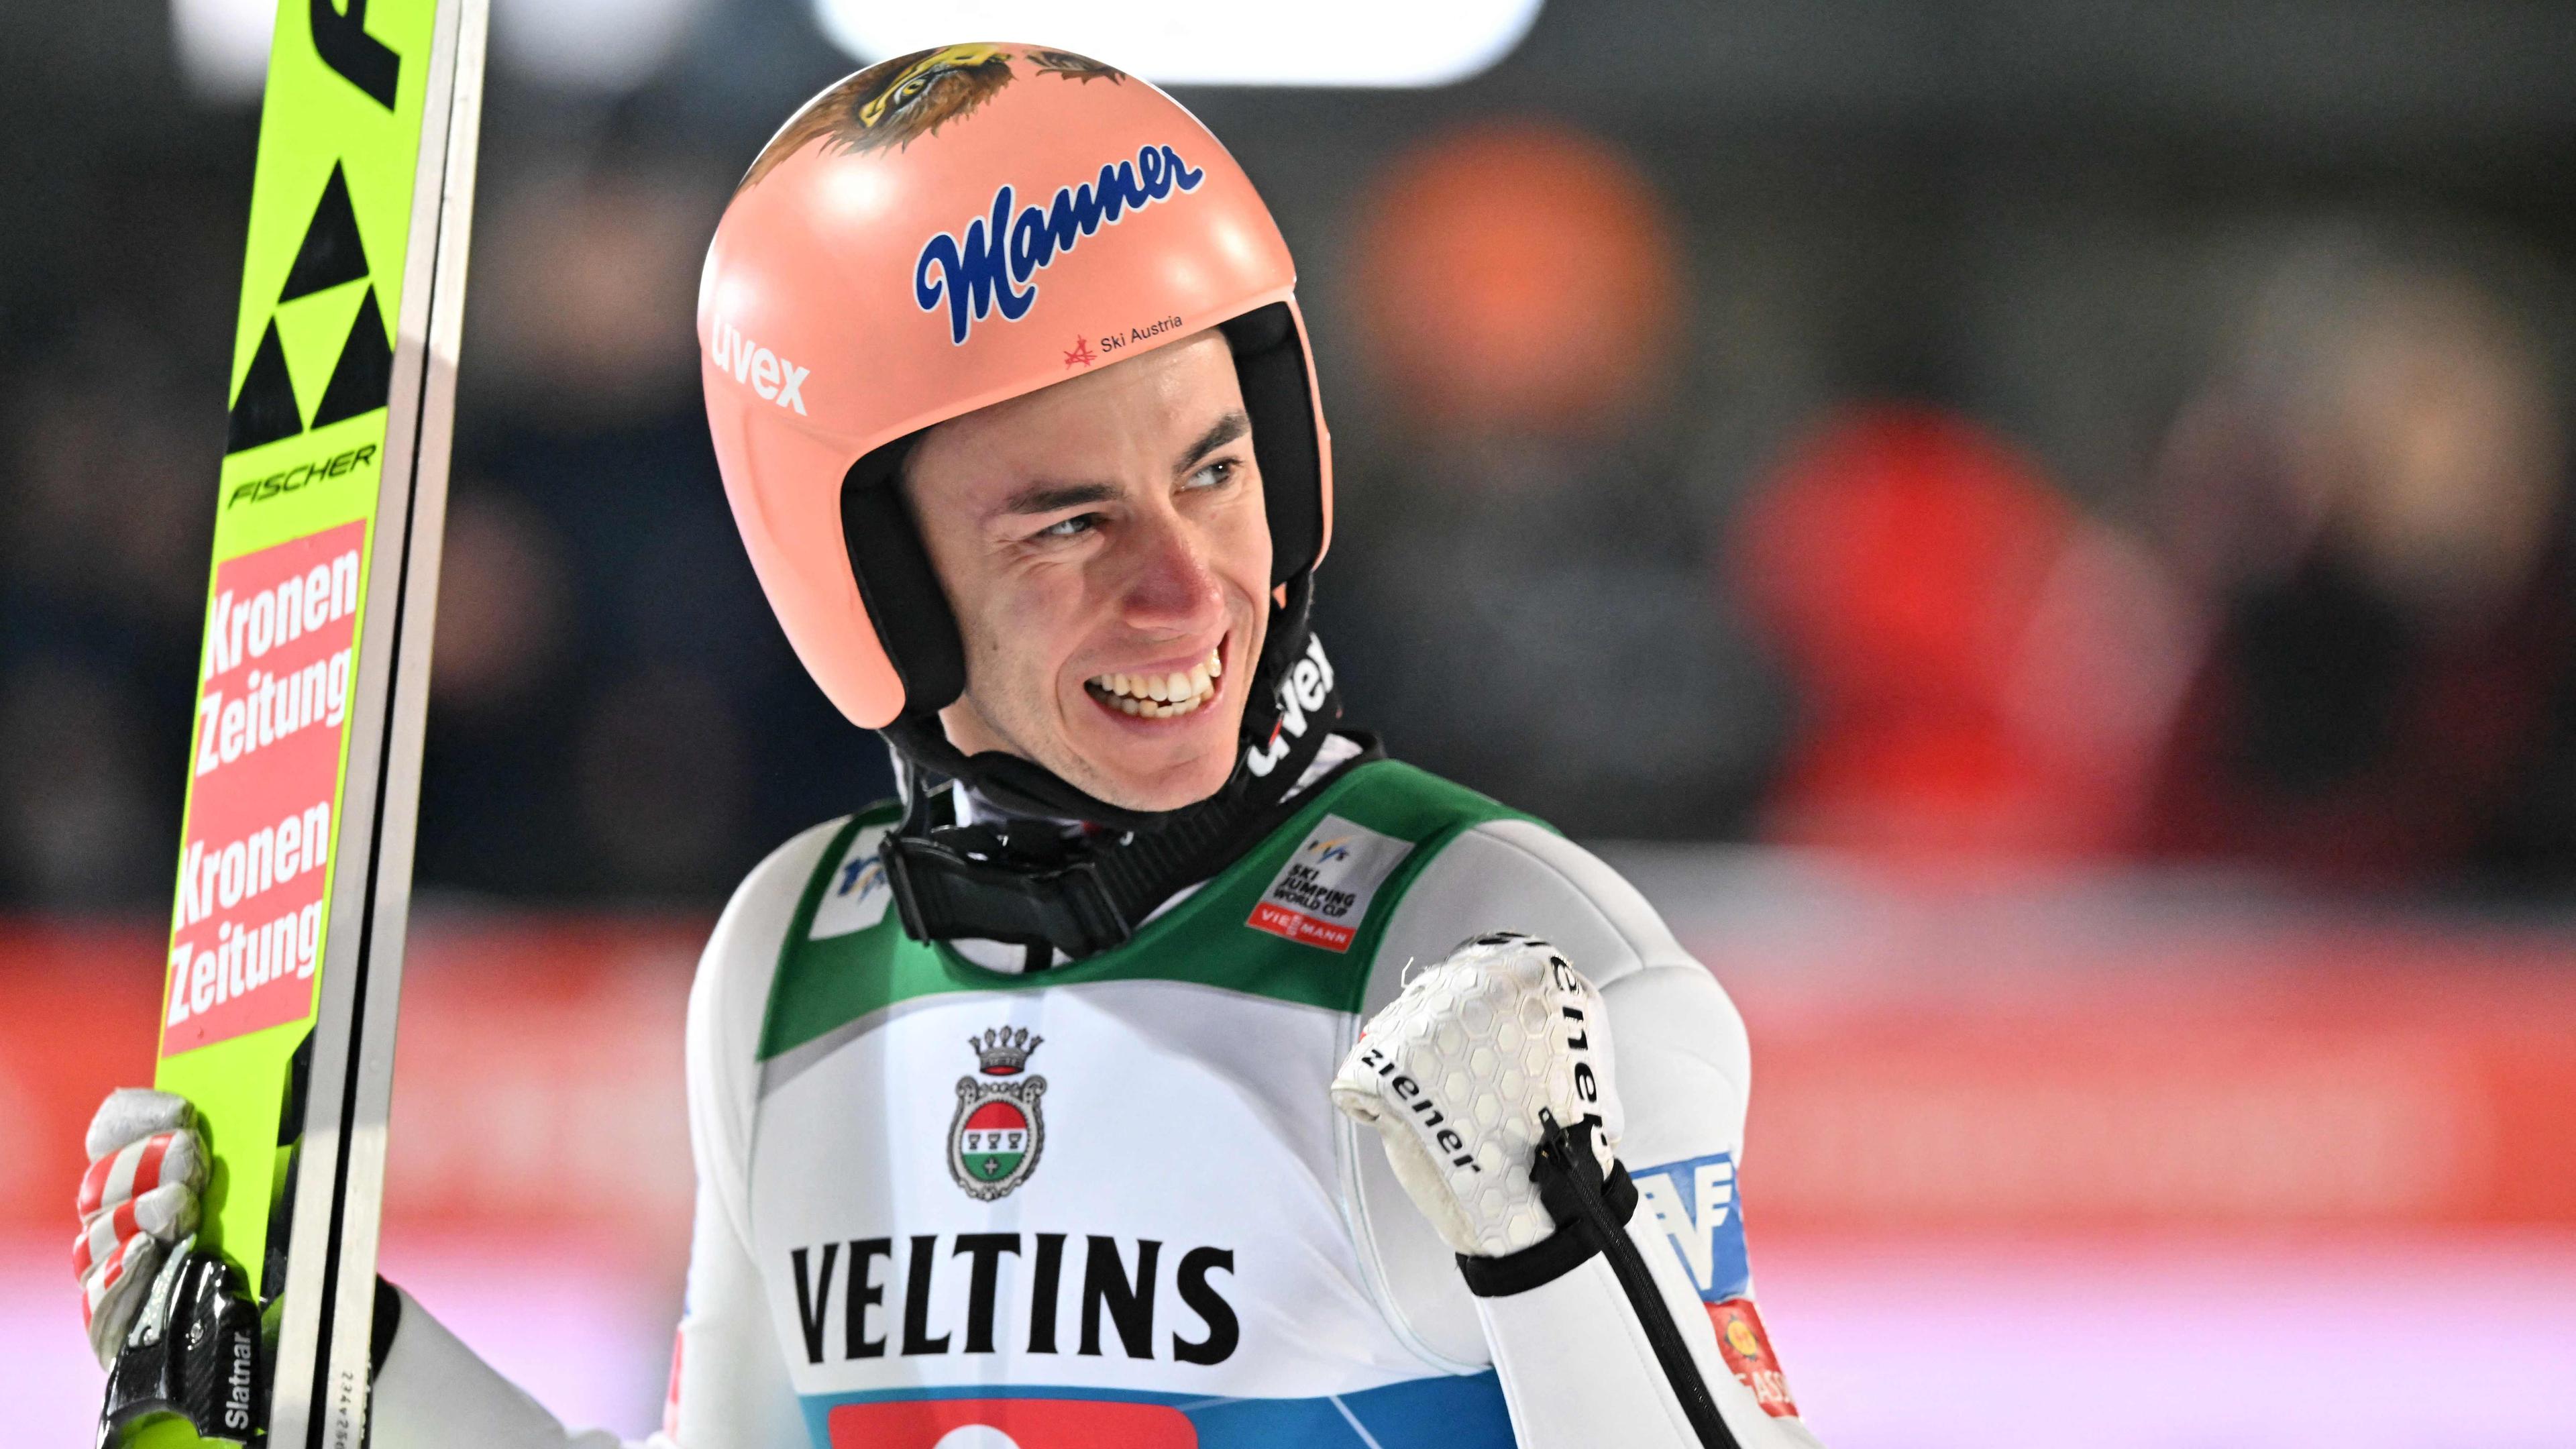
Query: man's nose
pixel 1170 587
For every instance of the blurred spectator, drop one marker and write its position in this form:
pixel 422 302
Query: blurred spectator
pixel 659 778
pixel 505 686
pixel 606 664
pixel 502 603
pixel 82 817
pixel 103 528
pixel 1980 668
pixel 1521 277
pixel 584 301
pixel 2370 497
pixel 1554 363
pixel 1519 592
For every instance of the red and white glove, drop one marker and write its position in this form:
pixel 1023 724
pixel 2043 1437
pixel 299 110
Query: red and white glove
pixel 147 1167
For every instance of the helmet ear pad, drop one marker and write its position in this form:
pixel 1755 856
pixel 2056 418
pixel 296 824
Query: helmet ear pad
pixel 1287 440
pixel 910 611
pixel 901 590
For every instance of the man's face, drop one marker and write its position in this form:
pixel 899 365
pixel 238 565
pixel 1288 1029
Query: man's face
pixel 1103 545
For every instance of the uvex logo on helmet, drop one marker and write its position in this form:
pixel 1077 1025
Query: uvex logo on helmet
pixel 773 377
pixel 990 266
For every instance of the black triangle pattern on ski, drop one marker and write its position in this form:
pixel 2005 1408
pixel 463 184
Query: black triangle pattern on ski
pixel 364 374
pixel 332 253
pixel 265 410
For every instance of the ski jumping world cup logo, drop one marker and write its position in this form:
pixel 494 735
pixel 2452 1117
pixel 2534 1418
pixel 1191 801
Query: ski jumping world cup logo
pixel 995 1138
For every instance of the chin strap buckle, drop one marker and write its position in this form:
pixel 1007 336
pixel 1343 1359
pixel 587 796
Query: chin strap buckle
pixel 971 881
pixel 195 1353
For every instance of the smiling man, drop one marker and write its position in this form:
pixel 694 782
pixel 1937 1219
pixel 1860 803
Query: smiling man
pixel 1028 1110
pixel 1100 606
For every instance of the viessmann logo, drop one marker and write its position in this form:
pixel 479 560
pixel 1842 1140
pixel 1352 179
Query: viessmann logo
pixel 989 264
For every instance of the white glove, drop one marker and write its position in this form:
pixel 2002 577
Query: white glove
pixel 140 1196
pixel 1455 1071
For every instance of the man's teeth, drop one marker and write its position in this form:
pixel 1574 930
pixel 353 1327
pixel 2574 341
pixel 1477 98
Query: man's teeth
pixel 1161 696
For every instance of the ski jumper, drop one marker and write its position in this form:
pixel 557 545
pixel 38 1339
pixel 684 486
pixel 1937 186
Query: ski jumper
pixel 1108 1202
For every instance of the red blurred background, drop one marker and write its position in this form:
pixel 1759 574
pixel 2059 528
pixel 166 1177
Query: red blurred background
pixel 2021 1142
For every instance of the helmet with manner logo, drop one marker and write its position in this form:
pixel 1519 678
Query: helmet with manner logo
pixel 938 233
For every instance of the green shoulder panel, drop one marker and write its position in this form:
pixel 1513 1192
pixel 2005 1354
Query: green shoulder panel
pixel 809 986
pixel 1297 919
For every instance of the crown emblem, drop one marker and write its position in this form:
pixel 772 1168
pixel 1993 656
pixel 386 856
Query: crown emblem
pixel 1003 1051
pixel 997 1134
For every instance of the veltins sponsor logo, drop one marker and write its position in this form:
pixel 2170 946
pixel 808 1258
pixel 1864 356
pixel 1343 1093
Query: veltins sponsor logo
pixel 997 1134
pixel 1693 1203
pixel 859 893
pixel 1322 894
pixel 1092 1295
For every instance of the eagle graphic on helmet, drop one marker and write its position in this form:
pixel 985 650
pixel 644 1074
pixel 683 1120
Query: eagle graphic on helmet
pixel 892 103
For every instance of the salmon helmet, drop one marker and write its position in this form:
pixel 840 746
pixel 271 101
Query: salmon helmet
pixel 944 231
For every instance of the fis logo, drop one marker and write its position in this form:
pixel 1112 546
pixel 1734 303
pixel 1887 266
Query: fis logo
pixel 775 378
pixel 1328 851
pixel 857 895
pixel 861 878
pixel 1694 1204
pixel 988 264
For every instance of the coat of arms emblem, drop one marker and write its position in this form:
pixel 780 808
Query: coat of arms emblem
pixel 994 1140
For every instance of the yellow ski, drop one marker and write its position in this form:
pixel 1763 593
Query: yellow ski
pixel 286 941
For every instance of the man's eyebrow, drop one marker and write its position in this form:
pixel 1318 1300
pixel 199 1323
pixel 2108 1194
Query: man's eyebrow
pixel 1048 497
pixel 1228 428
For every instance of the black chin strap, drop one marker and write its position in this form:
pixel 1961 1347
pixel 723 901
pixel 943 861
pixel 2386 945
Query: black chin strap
pixel 1030 881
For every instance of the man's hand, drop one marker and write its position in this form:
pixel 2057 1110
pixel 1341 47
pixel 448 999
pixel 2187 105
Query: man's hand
pixel 138 1199
pixel 1455 1072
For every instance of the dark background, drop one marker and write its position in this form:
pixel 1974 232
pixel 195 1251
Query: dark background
pixel 1934 328
pixel 2035 534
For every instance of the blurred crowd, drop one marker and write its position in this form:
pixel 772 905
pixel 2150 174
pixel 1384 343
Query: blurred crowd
pixel 1614 543
pixel 2329 631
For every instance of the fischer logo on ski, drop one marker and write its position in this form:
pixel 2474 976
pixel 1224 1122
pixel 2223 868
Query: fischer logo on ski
pixel 332 256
